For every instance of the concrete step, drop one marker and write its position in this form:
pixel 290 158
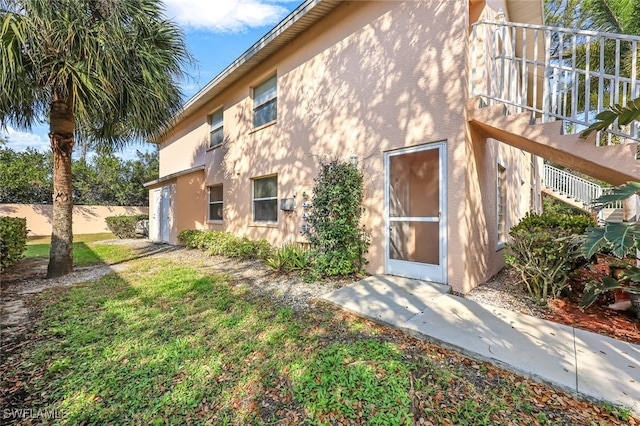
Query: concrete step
pixel 611 215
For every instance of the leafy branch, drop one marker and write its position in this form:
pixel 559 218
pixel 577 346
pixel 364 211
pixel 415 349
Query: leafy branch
pixel 623 114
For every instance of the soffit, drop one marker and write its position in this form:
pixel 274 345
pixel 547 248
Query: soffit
pixel 526 11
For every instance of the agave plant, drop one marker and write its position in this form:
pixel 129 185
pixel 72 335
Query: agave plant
pixel 623 239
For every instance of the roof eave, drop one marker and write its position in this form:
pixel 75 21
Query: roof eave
pixel 173 176
pixel 303 17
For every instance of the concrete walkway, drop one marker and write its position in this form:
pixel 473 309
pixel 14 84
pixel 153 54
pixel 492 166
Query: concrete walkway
pixel 589 364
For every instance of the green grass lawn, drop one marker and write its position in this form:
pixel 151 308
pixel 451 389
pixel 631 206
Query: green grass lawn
pixel 84 252
pixel 164 343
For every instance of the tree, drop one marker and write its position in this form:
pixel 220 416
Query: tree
pixel 25 177
pixel 103 179
pixel 105 71
pixel 108 180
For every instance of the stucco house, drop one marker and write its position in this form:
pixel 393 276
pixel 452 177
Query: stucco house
pixel 446 106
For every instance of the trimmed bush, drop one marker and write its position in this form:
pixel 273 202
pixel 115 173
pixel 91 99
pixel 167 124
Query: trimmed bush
pixel 125 226
pixel 225 244
pixel 13 240
pixel 337 238
pixel 544 251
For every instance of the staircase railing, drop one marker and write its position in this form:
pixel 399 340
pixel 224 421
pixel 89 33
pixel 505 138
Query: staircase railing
pixel 571 185
pixel 575 187
pixel 557 73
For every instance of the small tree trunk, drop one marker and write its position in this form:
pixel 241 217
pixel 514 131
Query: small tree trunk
pixel 61 127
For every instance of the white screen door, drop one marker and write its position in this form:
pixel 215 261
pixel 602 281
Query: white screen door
pixel 165 215
pixel 415 212
pixel 156 214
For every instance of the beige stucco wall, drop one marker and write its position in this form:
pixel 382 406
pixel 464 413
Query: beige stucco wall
pixel 369 78
pixel 187 198
pixel 86 219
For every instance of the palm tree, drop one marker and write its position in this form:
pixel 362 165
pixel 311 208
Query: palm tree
pixel 105 71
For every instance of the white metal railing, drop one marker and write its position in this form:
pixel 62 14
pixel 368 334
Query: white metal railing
pixel 575 187
pixel 571 185
pixel 557 73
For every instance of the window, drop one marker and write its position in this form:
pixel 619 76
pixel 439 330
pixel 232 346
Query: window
pixel 265 199
pixel 501 194
pixel 216 206
pixel 216 132
pixel 265 109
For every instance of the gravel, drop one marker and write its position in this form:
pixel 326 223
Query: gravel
pixel 504 290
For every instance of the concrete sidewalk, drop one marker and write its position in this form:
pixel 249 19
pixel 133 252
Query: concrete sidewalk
pixel 578 361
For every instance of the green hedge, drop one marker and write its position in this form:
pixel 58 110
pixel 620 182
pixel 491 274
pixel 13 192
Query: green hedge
pixel 544 251
pixel 13 240
pixel 225 244
pixel 124 226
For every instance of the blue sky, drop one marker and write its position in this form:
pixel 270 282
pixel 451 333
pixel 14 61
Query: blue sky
pixel 217 32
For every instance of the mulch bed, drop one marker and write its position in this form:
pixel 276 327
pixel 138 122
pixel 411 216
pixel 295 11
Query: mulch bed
pixel 622 325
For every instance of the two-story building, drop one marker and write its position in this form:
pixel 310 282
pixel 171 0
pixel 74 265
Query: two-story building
pixel 395 87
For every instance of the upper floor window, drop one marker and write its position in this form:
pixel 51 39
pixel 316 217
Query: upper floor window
pixel 216 205
pixel 216 132
pixel 265 199
pixel 265 108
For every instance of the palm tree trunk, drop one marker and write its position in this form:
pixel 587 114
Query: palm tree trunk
pixel 61 126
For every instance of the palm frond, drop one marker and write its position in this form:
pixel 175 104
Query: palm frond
pixel 120 61
pixel 622 114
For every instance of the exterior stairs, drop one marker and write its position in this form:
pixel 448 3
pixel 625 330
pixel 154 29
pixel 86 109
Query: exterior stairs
pixel 578 204
pixel 614 164
pixel 579 193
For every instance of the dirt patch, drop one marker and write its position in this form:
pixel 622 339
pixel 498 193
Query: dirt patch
pixel 25 279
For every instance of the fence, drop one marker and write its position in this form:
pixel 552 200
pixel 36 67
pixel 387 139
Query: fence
pixel 86 219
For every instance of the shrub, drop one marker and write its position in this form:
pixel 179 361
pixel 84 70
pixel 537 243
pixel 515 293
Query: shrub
pixel 190 238
pixel 13 240
pixel 336 235
pixel 124 226
pixel 225 244
pixel 290 258
pixel 544 251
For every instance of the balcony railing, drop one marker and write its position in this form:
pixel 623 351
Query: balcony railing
pixel 557 73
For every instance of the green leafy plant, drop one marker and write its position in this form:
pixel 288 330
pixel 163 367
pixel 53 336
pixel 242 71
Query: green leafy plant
pixel 624 115
pixel 218 243
pixel 124 226
pixel 622 240
pixel 336 235
pixel 544 251
pixel 13 240
pixel 290 257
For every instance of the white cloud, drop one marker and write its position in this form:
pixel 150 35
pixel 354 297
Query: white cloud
pixel 19 141
pixel 224 15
